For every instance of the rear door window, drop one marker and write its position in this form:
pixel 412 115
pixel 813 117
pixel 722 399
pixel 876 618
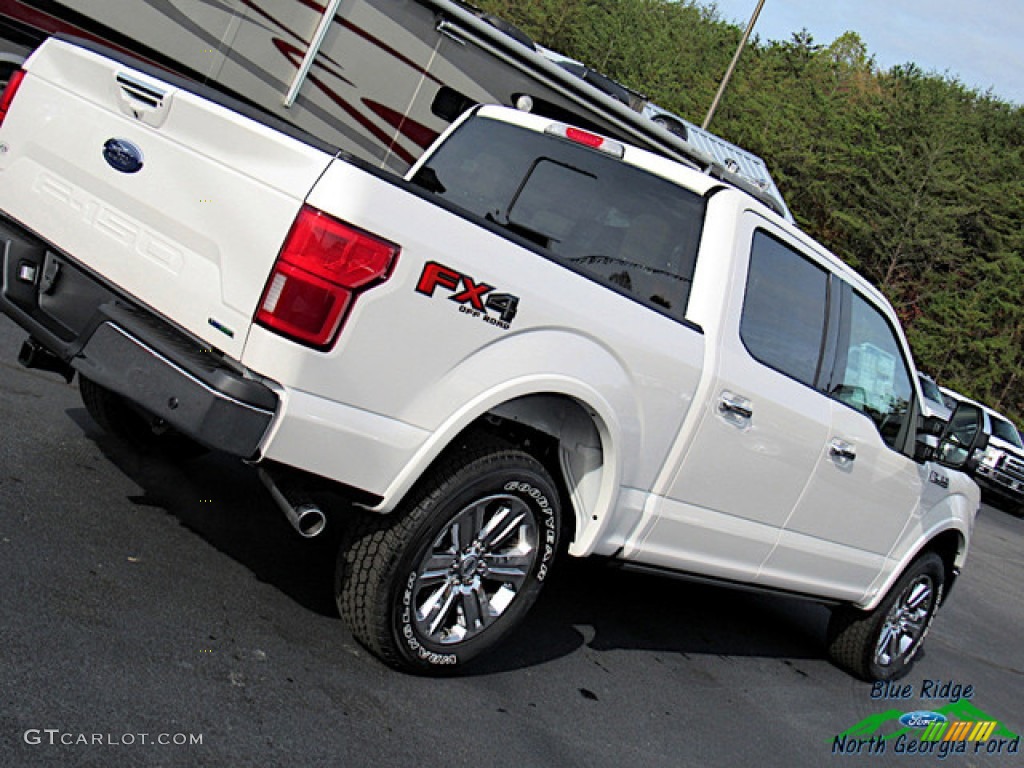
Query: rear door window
pixel 785 309
pixel 628 229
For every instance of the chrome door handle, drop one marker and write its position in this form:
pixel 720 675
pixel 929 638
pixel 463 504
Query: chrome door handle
pixel 840 449
pixel 734 404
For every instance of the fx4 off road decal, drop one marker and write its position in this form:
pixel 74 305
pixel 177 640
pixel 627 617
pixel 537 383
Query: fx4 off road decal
pixel 475 299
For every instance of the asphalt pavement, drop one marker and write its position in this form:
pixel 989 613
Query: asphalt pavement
pixel 162 614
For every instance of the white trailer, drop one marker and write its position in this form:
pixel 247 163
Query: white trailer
pixel 378 79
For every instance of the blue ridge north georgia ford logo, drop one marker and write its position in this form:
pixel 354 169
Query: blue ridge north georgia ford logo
pixel 122 155
pixel 922 718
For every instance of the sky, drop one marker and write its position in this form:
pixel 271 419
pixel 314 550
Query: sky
pixel 979 43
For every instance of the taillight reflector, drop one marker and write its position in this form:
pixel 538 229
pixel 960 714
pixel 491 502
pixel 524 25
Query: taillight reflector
pixel 9 91
pixel 322 266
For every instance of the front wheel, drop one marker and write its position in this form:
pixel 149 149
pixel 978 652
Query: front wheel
pixel 882 644
pixel 457 565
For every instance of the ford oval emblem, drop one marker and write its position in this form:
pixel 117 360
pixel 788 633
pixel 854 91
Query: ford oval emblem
pixel 922 719
pixel 122 155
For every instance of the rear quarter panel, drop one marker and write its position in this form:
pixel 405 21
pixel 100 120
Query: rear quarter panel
pixel 422 367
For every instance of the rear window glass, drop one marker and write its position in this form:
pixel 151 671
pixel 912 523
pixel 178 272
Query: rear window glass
pixel 635 232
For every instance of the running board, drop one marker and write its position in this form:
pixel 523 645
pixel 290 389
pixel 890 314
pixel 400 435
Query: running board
pixel 717 582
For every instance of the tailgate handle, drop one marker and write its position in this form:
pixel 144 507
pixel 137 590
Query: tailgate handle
pixel 143 99
pixel 139 91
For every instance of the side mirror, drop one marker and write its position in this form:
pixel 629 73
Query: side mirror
pixel 963 438
pixel 976 455
pixel 933 425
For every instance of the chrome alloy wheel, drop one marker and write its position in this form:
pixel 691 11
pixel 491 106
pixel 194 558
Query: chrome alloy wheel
pixel 474 569
pixel 906 623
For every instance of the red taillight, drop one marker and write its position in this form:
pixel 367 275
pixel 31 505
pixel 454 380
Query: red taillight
pixel 9 91
pixel 322 266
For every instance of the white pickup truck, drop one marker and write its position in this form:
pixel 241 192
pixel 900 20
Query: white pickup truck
pixel 541 340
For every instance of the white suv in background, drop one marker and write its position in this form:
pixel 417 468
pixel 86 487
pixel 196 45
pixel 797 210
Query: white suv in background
pixel 1001 469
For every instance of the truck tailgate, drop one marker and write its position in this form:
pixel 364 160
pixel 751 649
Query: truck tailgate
pixel 178 201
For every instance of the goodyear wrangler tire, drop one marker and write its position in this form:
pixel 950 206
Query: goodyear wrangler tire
pixel 882 644
pixel 457 565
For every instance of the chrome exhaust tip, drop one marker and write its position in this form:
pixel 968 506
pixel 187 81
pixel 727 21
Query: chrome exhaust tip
pixel 306 517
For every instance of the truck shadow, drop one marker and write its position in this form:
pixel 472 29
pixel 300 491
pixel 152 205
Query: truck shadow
pixel 603 608
pixel 586 604
pixel 222 500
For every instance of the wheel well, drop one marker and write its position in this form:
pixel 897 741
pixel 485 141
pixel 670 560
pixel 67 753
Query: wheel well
pixel 562 434
pixel 949 545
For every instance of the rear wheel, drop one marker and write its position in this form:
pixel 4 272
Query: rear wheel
pixel 120 418
pixel 457 566
pixel 882 644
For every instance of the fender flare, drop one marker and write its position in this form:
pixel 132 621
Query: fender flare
pixel 593 485
pixel 925 543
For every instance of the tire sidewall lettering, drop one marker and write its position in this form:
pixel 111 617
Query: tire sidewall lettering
pixel 547 520
pixel 408 633
pixel 546 515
